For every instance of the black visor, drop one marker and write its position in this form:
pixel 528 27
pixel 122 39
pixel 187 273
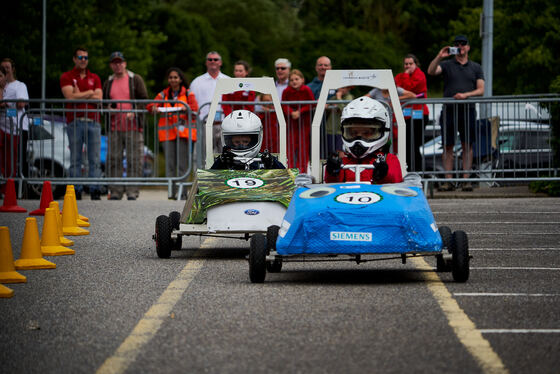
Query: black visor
pixel 241 142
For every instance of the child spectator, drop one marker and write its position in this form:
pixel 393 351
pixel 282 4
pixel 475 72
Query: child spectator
pixel 298 121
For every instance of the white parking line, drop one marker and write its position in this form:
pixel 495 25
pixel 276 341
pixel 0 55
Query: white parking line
pixel 542 249
pixel 476 233
pixel 150 324
pixel 511 268
pixel 520 331
pixel 493 212
pixel 497 222
pixel 463 327
pixel 516 294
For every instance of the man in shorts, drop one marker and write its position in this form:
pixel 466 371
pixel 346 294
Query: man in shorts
pixel 462 79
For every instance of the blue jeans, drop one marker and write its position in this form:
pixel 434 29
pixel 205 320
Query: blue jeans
pixel 80 132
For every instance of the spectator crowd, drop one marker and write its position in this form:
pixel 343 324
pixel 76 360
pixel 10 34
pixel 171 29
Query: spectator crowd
pixel 178 102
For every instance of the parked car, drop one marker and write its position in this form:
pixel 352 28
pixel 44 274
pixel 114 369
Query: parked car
pixel 48 154
pixel 519 146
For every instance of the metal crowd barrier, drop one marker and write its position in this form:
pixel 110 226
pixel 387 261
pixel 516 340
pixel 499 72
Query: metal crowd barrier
pixel 511 140
pixel 54 153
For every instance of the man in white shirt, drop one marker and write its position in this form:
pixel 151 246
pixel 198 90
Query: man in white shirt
pixel 203 88
pixel 204 85
pixel 282 67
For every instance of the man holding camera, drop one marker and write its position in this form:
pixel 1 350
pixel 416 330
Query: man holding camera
pixel 462 79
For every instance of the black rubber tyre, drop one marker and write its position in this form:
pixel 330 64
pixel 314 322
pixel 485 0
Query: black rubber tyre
pixel 48 170
pixel 175 219
pixel 447 239
pixel 460 259
pixel 163 237
pixel 257 259
pixel 271 237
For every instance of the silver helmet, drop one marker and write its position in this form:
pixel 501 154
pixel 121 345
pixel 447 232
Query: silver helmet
pixel 242 132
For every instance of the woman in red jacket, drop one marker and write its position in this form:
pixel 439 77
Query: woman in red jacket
pixel 298 121
pixel 241 69
pixel 413 79
pixel 176 127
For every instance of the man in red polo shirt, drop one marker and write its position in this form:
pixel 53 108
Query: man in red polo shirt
pixel 83 126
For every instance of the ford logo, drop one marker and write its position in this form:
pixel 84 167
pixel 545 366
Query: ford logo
pixel 251 212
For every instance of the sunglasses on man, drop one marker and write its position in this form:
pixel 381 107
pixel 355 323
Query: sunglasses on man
pixel 461 43
pixel 82 57
pixel 213 59
pixel 281 68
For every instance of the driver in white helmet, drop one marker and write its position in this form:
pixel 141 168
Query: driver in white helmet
pixel 242 133
pixel 365 127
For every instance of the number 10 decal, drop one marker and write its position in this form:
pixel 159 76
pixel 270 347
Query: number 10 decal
pixel 244 182
pixel 358 198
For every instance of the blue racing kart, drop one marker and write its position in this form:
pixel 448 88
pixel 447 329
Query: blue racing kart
pixel 358 222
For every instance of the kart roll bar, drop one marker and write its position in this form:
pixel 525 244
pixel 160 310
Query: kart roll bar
pixel 264 85
pixel 335 79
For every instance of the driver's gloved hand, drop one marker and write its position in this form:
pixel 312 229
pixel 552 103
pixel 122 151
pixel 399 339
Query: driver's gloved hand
pixel 334 164
pixel 227 156
pixel 380 169
pixel 267 159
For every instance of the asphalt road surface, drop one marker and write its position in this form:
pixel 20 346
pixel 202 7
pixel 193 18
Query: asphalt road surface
pixel 115 307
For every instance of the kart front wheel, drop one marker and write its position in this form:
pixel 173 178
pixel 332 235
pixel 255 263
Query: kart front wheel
pixel 257 259
pixel 447 240
pixel 175 220
pixel 163 237
pixel 460 257
pixel 274 266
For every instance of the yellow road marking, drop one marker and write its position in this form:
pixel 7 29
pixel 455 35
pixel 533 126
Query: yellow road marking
pixel 158 313
pixel 463 327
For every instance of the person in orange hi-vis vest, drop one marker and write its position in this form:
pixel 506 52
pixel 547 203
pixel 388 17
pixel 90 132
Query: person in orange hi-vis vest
pixel 176 126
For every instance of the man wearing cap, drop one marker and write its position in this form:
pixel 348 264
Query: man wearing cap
pixel 126 127
pixel 83 126
pixel 462 79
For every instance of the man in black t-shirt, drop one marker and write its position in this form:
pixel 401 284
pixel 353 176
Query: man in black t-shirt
pixel 462 79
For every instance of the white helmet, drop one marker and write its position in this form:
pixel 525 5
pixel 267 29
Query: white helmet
pixel 242 133
pixel 365 126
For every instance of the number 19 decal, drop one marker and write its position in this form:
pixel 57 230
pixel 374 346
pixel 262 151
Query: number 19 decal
pixel 358 198
pixel 244 182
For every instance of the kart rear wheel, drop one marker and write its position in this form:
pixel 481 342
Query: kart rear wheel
pixel 447 240
pixel 460 259
pixel 163 237
pixel 257 259
pixel 175 218
pixel 274 266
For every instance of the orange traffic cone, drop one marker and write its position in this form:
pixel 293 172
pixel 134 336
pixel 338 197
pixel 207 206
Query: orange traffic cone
pixel 6 292
pixel 69 188
pixel 46 198
pixel 8 273
pixel 10 200
pixel 50 241
pixel 64 241
pixel 80 222
pixel 31 256
pixel 69 221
